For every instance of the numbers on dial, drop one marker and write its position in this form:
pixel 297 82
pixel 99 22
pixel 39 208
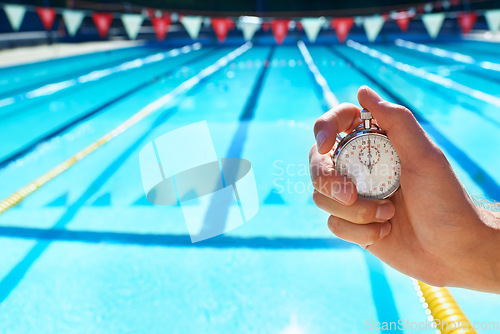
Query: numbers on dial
pixel 372 163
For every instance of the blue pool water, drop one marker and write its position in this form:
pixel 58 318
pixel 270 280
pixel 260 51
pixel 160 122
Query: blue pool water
pixel 88 254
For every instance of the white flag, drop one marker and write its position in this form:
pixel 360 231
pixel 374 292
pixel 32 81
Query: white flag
pixel 493 19
pixel 72 19
pixel 433 23
pixel 249 25
pixel 15 15
pixel 312 26
pixel 192 24
pixel 132 24
pixel 373 25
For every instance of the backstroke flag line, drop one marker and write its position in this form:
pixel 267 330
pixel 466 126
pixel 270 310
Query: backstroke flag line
pixel 15 15
pixel 312 26
pixel 248 28
pixel 192 24
pixel 433 23
pixel 72 20
pixel 373 25
pixel 493 19
pixel 132 24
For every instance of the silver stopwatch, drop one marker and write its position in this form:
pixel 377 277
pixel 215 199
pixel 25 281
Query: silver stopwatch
pixel 366 156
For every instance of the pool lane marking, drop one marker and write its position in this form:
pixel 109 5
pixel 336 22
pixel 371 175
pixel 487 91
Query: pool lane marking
pixel 151 108
pixel 420 73
pixel 92 76
pixel 490 187
pixel 219 206
pixel 328 95
pixel 172 240
pixel 382 295
pixel 73 73
pixel 441 53
pixel 13 158
pixel 16 274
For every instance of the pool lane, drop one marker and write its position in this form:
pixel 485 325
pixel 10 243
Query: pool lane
pixel 340 64
pixel 276 289
pixel 46 117
pixel 453 119
pixel 16 79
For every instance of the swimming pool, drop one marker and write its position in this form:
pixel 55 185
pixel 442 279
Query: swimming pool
pixel 88 253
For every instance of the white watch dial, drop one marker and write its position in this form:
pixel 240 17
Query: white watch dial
pixel 372 163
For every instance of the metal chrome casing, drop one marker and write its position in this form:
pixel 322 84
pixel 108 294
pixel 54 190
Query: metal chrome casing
pixel 360 131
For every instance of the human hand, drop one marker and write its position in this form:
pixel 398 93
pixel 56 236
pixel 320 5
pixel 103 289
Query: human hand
pixel 429 229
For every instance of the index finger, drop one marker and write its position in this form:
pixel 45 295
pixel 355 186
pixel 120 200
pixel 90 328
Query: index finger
pixel 341 118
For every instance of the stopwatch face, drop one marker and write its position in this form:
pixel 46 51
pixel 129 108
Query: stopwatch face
pixel 371 162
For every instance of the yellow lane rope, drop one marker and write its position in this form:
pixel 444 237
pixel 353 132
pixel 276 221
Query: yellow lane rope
pixel 443 310
pixel 439 303
pixel 151 108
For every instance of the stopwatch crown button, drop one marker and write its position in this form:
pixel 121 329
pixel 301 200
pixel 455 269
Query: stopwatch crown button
pixel 365 114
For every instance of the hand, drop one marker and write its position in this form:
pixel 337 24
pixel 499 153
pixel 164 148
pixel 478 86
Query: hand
pixel 429 229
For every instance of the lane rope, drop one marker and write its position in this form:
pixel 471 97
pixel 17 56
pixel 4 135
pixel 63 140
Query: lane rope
pixel 151 108
pixel 421 73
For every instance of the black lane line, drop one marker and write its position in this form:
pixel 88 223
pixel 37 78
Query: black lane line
pixel 173 240
pixel 16 274
pixel 219 206
pixel 475 172
pixel 65 127
pixel 383 297
pixel 76 73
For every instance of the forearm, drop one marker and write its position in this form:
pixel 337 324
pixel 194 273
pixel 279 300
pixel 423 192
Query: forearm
pixel 482 269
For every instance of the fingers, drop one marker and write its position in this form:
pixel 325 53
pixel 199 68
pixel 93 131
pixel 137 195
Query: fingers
pixel 339 119
pixel 328 181
pixel 406 134
pixel 363 211
pixel 362 235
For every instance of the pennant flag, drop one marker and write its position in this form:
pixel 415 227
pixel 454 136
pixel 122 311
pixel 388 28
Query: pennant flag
pixel 466 21
pixel 373 25
pixel 161 25
pixel 265 26
pixel 248 27
pixel 493 19
pixel 299 26
pixel 221 26
pixel 403 20
pixel 280 29
pixel 132 24
pixel 312 26
pixel 15 15
pixel 72 20
pixel 342 26
pixel 47 16
pixel 433 23
pixel 102 22
pixel 192 24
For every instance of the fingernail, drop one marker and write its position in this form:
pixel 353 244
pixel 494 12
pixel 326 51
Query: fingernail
pixel 385 211
pixel 385 230
pixel 373 95
pixel 320 139
pixel 343 197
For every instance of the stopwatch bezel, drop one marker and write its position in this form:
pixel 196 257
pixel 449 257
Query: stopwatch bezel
pixel 353 135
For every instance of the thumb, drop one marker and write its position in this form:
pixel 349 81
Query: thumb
pixel 407 136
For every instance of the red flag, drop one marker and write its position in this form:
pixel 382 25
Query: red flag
pixel 385 16
pixel 150 13
pixel 160 25
pixel 403 20
pixel 265 26
pixel 467 21
pixel 102 22
pixel 47 16
pixel 280 29
pixel 454 2
pixel 342 26
pixel 221 26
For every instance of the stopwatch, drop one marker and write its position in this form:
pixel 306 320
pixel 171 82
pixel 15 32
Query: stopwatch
pixel 366 157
